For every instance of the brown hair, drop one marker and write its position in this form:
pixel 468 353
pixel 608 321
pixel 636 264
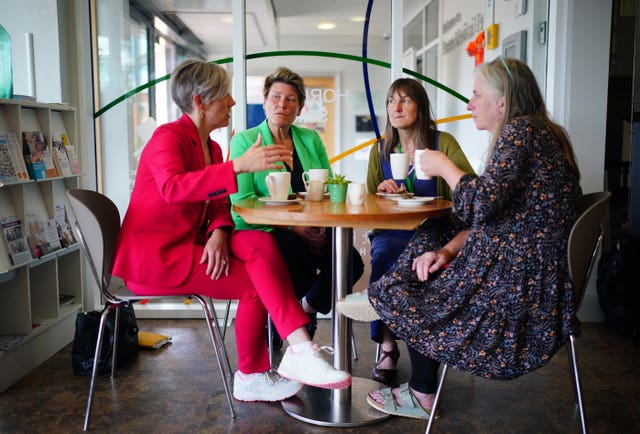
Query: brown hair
pixel 425 125
pixel 286 76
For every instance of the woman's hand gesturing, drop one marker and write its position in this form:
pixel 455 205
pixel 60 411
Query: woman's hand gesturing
pixel 258 158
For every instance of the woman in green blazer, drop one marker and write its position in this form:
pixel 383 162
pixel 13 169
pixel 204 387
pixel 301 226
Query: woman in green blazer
pixel 306 250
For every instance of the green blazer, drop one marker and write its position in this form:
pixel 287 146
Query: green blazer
pixel 308 146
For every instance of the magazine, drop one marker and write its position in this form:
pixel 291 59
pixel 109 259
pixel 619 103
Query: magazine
pixel 34 146
pixel 7 171
pixel 36 238
pixel 15 152
pixel 60 158
pixel 16 243
pixel 72 155
pixel 65 234
pixel 51 235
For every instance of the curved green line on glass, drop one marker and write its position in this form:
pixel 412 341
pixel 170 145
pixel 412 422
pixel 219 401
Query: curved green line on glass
pixel 290 53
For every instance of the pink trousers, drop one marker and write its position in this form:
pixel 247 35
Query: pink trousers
pixel 258 278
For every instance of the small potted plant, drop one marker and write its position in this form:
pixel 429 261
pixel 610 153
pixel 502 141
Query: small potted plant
pixel 337 186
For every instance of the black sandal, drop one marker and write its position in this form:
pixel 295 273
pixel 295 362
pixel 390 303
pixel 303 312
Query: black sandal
pixel 385 376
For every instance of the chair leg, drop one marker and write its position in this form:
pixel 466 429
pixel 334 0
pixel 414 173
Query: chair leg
pixel 219 349
pixel 226 317
pixel 436 401
pixel 223 349
pixel 575 379
pixel 354 350
pixel 270 339
pixel 116 333
pixel 96 359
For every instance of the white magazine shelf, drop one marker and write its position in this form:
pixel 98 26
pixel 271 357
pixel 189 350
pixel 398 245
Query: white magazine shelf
pixel 40 294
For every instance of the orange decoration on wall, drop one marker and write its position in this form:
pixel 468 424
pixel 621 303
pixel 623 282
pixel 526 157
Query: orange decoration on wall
pixel 475 48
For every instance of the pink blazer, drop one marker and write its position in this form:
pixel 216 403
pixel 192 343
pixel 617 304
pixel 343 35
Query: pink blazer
pixel 176 202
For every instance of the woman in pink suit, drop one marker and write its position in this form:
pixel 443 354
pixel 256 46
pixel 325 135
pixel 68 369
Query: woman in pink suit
pixel 178 237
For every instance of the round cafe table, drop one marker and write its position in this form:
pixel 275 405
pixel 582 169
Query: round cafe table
pixel 346 407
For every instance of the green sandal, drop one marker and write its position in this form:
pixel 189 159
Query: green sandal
pixel 410 405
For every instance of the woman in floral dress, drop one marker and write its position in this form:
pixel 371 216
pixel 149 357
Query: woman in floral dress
pixel 495 300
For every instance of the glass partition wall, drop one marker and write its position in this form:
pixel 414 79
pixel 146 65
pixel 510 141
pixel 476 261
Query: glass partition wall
pixel 347 69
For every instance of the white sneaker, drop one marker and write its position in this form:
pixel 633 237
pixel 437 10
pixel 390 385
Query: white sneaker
pixel 263 386
pixel 310 368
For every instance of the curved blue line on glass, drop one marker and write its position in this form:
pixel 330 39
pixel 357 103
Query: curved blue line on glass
pixel 365 71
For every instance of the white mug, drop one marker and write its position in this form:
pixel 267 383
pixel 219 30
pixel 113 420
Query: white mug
pixel 399 165
pixel 356 192
pixel 316 190
pixel 416 165
pixel 278 184
pixel 314 175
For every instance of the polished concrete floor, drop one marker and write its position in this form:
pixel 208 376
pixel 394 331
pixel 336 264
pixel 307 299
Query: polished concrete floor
pixel 177 389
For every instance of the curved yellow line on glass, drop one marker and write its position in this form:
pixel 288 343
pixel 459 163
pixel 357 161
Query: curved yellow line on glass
pixel 453 118
pixel 372 141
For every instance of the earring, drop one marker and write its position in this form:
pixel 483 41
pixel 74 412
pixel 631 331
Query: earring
pixel 201 115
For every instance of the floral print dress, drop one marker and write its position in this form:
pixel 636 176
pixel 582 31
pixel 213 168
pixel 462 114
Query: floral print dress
pixel 505 303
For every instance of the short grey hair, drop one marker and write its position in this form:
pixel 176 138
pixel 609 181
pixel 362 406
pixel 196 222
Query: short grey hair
pixel 197 77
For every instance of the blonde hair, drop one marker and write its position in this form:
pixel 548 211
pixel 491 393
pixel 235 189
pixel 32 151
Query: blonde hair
pixel 514 80
pixel 196 77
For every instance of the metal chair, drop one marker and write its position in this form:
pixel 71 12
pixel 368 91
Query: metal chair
pixel 584 241
pixel 97 226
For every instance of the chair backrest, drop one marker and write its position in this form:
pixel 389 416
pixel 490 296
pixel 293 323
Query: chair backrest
pixel 97 226
pixel 584 240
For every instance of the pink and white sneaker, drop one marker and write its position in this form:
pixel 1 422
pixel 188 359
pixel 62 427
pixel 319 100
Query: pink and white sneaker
pixel 263 386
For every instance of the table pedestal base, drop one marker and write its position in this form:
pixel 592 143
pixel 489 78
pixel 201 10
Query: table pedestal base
pixel 338 408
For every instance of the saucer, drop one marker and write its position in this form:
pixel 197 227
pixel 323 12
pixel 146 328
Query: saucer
pixel 413 201
pixel 306 194
pixel 270 201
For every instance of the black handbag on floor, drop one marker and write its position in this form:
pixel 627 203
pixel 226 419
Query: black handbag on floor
pixel 619 298
pixel 86 337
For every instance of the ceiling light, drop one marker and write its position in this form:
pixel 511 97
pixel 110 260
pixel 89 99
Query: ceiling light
pixel 358 19
pixel 227 19
pixel 326 26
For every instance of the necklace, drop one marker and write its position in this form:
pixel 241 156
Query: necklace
pixel 411 156
pixel 411 176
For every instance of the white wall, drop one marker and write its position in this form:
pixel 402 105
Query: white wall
pixel 577 93
pixel 39 17
pixel 455 70
pixel 456 66
pixel 585 85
